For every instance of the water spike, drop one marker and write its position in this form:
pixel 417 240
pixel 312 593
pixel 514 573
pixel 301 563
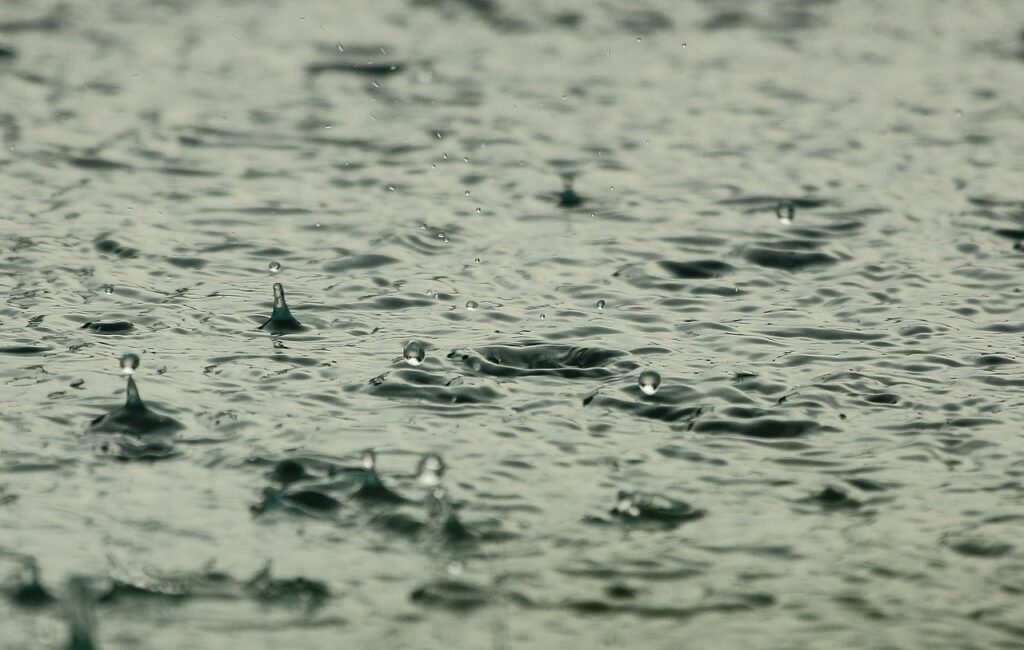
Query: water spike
pixel 132 397
pixel 134 418
pixel 281 320
pixel 568 198
pixel 373 489
pixel 81 623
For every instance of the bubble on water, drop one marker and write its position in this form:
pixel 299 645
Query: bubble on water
pixel 472 305
pixel 129 363
pixel 368 460
pixel 441 235
pixel 430 470
pixel 785 212
pixel 600 304
pixel 543 316
pixel 649 382
pixel 414 353
pixel 476 261
pixel 274 267
pixel 107 289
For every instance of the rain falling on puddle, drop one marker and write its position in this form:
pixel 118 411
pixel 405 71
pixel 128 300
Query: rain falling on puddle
pixel 493 324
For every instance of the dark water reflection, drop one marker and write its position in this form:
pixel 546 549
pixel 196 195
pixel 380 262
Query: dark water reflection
pixel 551 198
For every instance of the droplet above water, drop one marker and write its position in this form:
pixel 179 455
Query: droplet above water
pixel 430 470
pixel 472 305
pixel 785 212
pixel 274 267
pixel 414 353
pixel 649 382
pixel 129 363
pixel 368 459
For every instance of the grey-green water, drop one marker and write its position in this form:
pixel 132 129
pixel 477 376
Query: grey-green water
pixel 840 397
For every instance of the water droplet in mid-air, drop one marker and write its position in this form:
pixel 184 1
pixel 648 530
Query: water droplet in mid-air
pixel 414 353
pixel 785 211
pixel 600 304
pixel 472 305
pixel 129 363
pixel 649 382
pixel 274 267
pixel 430 470
pixel 368 460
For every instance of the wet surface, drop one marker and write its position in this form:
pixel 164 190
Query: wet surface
pixel 805 217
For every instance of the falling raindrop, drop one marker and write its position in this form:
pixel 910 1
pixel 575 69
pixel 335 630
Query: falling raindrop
pixel 430 470
pixel 368 460
pixel 785 212
pixel 649 382
pixel 129 363
pixel 414 353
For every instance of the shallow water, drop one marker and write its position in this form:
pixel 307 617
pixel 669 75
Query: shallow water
pixel 833 457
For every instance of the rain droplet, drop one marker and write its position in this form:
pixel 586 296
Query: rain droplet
pixel 340 48
pixel 467 192
pixel 414 353
pixel 129 363
pixel 444 156
pixel 543 316
pixel 274 267
pixel 472 305
pixel 649 382
pixel 430 470
pixel 476 261
pixel 600 304
pixel 785 211
pixel 368 460
pixel 478 210
pixel 107 289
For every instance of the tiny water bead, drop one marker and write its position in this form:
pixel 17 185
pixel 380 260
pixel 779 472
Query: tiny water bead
pixel 430 470
pixel 107 289
pixel 368 460
pixel 649 382
pixel 274 267
pixel 785 212
pixel 472 305
pixel 414 353
pixel 600 304
pixel 129 363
